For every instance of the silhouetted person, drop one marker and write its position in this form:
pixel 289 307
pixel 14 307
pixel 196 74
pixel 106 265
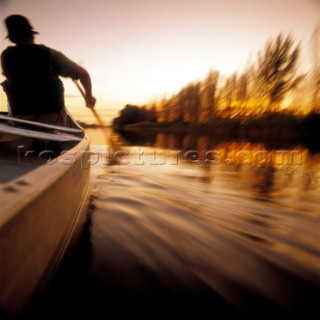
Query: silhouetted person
pixel 32 72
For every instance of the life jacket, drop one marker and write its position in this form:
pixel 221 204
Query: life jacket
pixel 33 87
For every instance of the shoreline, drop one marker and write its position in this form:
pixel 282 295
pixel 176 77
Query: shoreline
pixel 268 129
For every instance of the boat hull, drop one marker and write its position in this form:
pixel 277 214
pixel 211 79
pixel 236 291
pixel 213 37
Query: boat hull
pixel 43 212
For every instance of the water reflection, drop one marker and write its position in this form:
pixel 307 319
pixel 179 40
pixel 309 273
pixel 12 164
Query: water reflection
pixel 264 182
pixel 192 224
pixel 133 138
pixel 263 171
pixel 204 220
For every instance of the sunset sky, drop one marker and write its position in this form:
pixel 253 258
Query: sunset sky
pixel 137 50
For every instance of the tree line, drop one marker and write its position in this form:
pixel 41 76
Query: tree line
pixel 270 84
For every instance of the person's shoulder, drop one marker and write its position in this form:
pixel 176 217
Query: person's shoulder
pixel 42 47
pixel 54 52
pixel 9 48
pixel 7 51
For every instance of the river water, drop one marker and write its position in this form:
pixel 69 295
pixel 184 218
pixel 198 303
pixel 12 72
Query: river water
pixel 185 225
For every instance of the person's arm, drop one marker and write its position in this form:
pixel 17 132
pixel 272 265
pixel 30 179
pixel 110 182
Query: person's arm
pixel 85 80
pixel 65 67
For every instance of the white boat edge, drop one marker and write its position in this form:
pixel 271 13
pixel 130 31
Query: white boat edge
pixel 43 214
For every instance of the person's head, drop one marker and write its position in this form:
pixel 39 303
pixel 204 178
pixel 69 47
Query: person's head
pixel 19 29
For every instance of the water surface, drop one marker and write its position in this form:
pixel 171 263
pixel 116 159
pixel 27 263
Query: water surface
pixel 185 224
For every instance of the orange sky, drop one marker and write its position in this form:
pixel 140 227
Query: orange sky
pixel 137 50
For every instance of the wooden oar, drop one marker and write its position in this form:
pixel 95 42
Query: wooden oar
pixel 40 124
pixel 96 115
pixel 98 118
pixel 109 141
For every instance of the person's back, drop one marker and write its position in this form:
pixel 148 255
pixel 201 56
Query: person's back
pixel 33 86
pixel 32 72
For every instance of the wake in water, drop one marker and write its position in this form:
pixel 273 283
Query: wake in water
pixel 183 240
pixel 165 236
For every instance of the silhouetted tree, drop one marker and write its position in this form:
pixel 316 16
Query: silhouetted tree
pixel 242 89
pixel 174 108
pixel 315 76
pixel 164 109
pixel 276 72
pixel 228 94
pixel 209 92
pixel 132 114
pixel 182 103
pixel 194 101
pixel 152 114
